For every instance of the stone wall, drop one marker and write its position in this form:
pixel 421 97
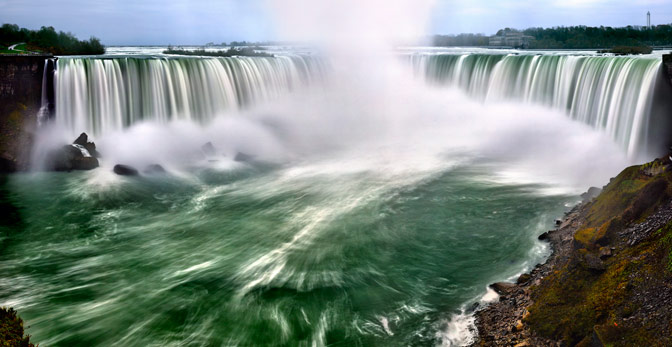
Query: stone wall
pixel 20 101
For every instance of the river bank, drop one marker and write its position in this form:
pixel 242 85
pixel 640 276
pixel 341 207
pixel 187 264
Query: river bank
pixel 608 280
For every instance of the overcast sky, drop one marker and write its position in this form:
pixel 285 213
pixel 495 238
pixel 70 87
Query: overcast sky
pixel 119 22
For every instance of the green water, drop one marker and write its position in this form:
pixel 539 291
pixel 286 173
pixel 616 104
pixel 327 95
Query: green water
pixel 288 255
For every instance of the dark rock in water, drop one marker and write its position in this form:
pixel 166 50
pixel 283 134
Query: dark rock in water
pixel 243 157
pixel 543 236
pixel 208 149
pixel 70 157
pixel 83 140
pixel 125 170
pixel 558 222
pixel 154 169
pixel 503 288
pixel 592 193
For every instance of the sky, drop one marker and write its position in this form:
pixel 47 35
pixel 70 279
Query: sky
pixel 181 22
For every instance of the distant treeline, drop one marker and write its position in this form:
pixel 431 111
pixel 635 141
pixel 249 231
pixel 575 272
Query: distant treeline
pixel 575 37
pixel 49 41
pixel 245 51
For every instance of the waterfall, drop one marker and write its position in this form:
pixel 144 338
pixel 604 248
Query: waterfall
pixel 613 94
pixel 98 95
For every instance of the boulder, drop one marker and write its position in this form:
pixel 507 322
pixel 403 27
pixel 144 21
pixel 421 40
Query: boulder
pixel 543 236
pixel 83 140
pixel 524 278
pixel 605 252
pixel 503 288
pixel 125 170
pixel 70 157
pixel 154 169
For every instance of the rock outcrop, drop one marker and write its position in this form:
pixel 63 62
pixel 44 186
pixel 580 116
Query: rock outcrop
pixel 83 140
pixel 77 156
pixel 20 101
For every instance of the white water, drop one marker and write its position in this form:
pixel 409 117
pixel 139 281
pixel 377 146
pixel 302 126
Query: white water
pixel 612 94
pixel 100 96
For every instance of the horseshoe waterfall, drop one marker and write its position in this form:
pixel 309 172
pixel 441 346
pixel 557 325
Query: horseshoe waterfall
pixel 307 199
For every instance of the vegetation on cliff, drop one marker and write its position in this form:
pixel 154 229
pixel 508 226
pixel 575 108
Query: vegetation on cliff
pixel 11 329
pixel 616 287
pixel 47 40
pixel 231 52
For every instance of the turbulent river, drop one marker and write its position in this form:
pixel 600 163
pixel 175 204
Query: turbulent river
pixel 369 215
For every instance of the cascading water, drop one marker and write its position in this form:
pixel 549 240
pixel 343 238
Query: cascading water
pixel 104 95
pixel 613 94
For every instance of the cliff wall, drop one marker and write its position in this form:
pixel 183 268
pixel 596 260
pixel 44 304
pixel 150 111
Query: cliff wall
pixel 21 80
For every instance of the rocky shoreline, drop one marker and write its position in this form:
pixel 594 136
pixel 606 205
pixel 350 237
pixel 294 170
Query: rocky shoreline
pixel 608 280
pixel 501 323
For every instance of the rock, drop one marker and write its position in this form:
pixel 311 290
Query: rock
pixel 594 263
pixel 605 252
pixel 154 169
pixel 523 278
pixel 209 150
pixel 558 222
pixel 83 140
pixel 592 193
pixel 518 326
pixel 543 236
pixel 70 157
pixel 523 344
pixel 125 170
pixel 242 157
pixel 503 288
pixel 526 314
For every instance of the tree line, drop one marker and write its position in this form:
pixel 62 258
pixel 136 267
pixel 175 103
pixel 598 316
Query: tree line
pixel 48 40
pixel 573 37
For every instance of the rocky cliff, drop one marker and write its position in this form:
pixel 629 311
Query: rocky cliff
pixel 21 80
pixel 609 280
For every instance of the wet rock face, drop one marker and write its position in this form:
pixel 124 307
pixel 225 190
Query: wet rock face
pixel 70 157
pixel 80 155
pixel 83 140
pixel 20 101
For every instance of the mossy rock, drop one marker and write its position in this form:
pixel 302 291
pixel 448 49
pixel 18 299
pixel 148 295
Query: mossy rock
pixel 11 329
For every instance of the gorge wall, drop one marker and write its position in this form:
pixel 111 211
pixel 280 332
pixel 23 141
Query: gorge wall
pixel 21 93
